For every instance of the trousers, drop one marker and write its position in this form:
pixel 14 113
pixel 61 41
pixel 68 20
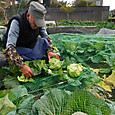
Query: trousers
pixel 37 52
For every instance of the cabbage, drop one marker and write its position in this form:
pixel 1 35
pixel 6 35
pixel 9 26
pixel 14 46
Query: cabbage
pixel 67 103
pixel 74 70
pixel 54 63
pixel 25 79
pixel 79 113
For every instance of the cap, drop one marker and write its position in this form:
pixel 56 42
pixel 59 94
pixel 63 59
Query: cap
pixel 38 12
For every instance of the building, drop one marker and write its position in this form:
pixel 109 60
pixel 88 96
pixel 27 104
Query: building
pixel 113 13
pixel 98 2
pixel 46 3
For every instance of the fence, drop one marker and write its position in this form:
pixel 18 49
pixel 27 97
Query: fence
pixel 91 13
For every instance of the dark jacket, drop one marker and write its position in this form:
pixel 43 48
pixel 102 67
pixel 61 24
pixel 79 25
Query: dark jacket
pixel 27 35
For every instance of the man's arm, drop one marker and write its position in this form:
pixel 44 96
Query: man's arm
pixel 50 48
pixel 11 52
pixel 44 34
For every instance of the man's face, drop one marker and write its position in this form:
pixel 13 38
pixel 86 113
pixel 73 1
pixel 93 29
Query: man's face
pixel 31 21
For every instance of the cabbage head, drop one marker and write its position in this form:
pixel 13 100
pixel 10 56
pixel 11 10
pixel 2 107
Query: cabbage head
pixel 54 63
pixel 74 70
pixel 25 79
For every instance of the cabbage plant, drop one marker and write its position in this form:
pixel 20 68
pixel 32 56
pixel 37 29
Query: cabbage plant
pixel 74 70
pixel 54 63
pixel 24 79
pixel 59 102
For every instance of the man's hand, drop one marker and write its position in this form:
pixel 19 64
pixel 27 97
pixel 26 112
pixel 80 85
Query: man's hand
pixel 26 71
pixel 51 54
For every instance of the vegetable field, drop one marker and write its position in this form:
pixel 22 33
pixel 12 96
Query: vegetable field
pixel 83 80
pixel 99 24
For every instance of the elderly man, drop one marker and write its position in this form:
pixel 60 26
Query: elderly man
pixel 21 40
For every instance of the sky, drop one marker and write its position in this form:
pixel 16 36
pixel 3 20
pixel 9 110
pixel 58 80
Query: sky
pixel 110 3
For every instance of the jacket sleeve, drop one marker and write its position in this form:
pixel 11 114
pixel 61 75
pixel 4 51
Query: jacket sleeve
pixel 50 48
pixel 10 51
pixel 43 33
pixel 13 33
pixel 11 54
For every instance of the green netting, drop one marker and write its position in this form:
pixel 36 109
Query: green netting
pixel 86 48
pixel 58 91
pixel 93 51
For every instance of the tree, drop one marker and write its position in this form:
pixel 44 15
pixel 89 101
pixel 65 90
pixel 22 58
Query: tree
pixel 54 3
pixel 67 10
pixel 83 3
pixel 62 3
pixel 4 4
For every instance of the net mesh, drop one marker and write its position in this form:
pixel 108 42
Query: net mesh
pixel 48 95
pixel 93 51
pixel 86 48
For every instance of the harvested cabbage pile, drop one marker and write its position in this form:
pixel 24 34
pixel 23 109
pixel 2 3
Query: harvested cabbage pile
pixel 72 73
pixel 40 67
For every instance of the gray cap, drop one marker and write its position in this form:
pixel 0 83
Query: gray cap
pixel 38 12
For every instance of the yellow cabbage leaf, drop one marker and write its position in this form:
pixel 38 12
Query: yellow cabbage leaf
pixel 105 86
pixel 111 78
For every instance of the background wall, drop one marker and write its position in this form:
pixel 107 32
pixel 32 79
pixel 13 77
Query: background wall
pixel 91 13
